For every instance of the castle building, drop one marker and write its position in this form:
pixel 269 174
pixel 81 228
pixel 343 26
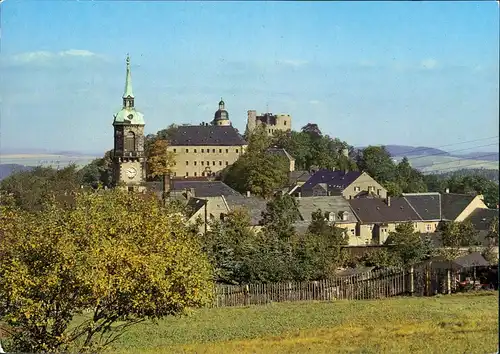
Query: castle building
pixel 272 122
pixel 128 152
pixel 205 150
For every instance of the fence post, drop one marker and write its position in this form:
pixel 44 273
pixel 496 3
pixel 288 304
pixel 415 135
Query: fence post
pixel 412 289
pixel 448 281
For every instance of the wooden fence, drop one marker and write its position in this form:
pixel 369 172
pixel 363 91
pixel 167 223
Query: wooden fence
pixel 362 286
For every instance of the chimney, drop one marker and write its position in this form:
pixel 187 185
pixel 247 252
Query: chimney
pixel 388 201
pixel 248 193
pixel 299 194
pixel 447 190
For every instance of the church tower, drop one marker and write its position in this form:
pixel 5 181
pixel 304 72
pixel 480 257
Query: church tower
pixel 128 154
pixel 221 117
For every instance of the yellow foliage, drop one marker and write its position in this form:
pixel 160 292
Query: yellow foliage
pixel 160 161
pixel 121 255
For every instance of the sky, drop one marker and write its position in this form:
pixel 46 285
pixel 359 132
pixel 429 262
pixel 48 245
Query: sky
pixel 368 73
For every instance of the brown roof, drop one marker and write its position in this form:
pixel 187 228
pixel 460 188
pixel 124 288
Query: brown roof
pixel 376 210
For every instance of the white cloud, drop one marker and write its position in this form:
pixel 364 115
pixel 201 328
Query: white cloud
pixel 314 102
pixel 429 63
pixel 45 56
pixel 292 62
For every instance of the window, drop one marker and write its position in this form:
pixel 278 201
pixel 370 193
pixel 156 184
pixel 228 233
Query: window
pixel 187 163
pixel 194 163
pixel 213 150
pixel 220 163
pixel 208 163
pixel 236 150
pixel 187 174
pixel 203 174
pixel 213 163
pixel 227 163
pixel 175 174
pixel 195 174
pixel 195 151
pixel 130 189
pixel 357 189
pixel 202 163
pixel 371 188
pixel 227 151
pixel 130 141
pixel 220 151
pixel 175 150
pixel 269 131
pixel 428 227
pixel 284 122
pixel 379 191
pixel 187 150
pixel 202 150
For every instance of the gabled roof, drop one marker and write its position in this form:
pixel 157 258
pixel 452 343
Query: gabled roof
pixel 299 176
pixel 195 204
pixel 280 152
pixel 427 205
pixel 376 210
pixel 452 205
pixel 481 218
pixel 335 204
pixel 203 135
pixel 254 205
pixel 334 179
pixel 202 188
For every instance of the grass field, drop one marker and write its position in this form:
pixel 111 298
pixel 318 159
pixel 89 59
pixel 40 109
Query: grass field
pixel 444 324
pixel 431 164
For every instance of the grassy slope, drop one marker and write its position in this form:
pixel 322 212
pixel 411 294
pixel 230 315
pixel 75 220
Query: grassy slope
pixel 443 324
pixel 448 163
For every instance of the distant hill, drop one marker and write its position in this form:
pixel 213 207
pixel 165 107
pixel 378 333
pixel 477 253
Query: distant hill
pixel 9 168
pixel 404 150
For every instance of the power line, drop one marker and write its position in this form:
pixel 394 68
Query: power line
pixel 460 167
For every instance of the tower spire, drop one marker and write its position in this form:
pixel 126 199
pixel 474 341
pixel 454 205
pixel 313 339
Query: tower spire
pixel 128 94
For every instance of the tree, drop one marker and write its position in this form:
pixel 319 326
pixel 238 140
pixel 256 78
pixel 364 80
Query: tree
pixel 228 244
pixel 377 162
pixel 280 216
pixel 120 255
pixel 408 245
pixel 99 172
pixel 493 232
pixel 456 235
pixel 257 171
pixel 30 189
pixel 160 162
pixel 409 179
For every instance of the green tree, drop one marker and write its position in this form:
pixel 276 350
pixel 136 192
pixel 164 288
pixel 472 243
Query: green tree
pixel 30 189
pixel 409 179
pixel 407 245
pixel 257 171
pixel 120 255
pixel 378 163
pixel 456 235
pixel 229 244
pixel 99 172
pixel 493 232
pixel 280 216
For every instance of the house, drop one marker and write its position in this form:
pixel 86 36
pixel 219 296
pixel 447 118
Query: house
pixel 428 208
pixel 349 184
pixel 378 217
pixel 457 207
pixel 335 208
pixel 298 178
pixel 206 149
pixel 282 152
pixel 208 209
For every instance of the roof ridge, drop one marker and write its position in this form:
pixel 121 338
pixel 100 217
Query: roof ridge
pixel 417 194
pixel 411 206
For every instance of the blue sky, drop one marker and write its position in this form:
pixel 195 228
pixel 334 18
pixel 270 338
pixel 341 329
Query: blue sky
pixel 413 73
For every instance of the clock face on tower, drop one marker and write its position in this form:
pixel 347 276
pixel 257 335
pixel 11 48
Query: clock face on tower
pixel 131 172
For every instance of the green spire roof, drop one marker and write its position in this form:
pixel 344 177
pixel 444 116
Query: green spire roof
pixel 128 81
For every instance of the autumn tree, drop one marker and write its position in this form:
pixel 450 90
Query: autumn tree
pixel 160 162
pixel 121 256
